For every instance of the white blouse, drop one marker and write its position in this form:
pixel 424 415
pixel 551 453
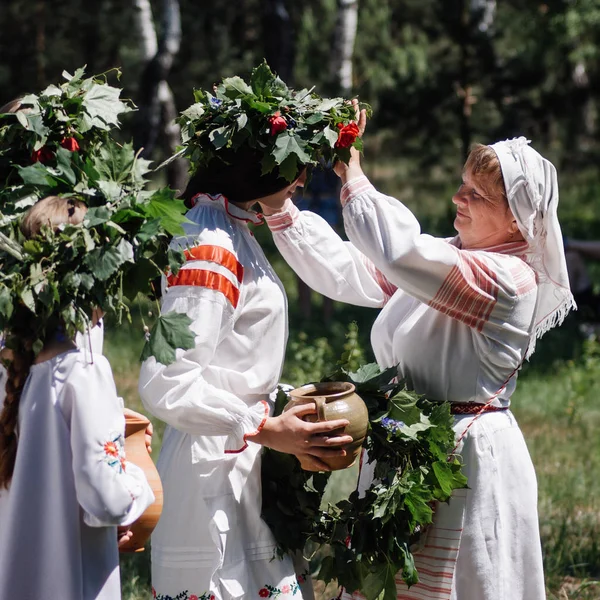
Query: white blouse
pixel 211 541
pixel 71 485
pixel 456 322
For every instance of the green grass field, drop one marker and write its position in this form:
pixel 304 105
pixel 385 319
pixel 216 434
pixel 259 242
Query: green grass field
pixel 557 403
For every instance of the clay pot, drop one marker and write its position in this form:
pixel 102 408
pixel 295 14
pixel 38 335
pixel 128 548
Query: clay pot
pixel 336 400
pixel 136 452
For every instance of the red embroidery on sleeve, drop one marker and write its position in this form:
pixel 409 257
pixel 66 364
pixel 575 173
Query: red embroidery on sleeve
pixel 469 292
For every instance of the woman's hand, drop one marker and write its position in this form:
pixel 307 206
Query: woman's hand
pixel 124 535
pixel 149 428
pixel 353 170
pixel 310 442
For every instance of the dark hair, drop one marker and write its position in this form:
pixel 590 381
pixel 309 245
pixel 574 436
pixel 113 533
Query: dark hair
pixel 236 175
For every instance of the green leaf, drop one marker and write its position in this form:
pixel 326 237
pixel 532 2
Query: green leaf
pixel 26 296
pixel 267 164
pixel 241 121
pixel 63 168
pixel 380 582
pixel 6 302
pixel 287 144
pixel 170 210
pixel 289 168
pixel 97 215
pixel 195 111
pixel 36 174
pixel 170 332
pixel 105 261
pixel 114 163
pixel 331 136
pixel 103 106
pixel 260 80
pixel 329 103
pixel 220 136
pixel 236 87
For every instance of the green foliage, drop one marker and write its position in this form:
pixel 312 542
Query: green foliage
pixel 287 128
pixel 365 540
pixel 170 332
pixel 57 278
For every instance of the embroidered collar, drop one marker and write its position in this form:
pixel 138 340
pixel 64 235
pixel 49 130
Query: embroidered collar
pixel 233 210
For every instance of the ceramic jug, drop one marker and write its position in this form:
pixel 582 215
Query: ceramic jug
pixel 136 452
pixel 336 400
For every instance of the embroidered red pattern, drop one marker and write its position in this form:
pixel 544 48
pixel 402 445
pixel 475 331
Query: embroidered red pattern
pixel 469 292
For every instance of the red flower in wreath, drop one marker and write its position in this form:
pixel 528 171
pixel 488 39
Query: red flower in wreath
pixel 278 123
pixel 263 593
pixel 193 597
pixel 347 135
pixel 70 144
pixel 153 593
pixel 43 155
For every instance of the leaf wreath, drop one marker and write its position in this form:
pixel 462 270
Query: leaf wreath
pixel 288 128
pixel 58 143
pixel 365 540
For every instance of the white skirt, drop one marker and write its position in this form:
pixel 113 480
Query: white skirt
pixel 485 543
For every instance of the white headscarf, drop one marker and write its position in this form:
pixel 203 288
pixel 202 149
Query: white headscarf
pixel 532 191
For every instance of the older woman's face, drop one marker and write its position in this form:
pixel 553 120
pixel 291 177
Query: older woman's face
pixel 483 218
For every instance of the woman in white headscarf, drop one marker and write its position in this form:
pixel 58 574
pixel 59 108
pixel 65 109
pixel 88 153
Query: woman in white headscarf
pixel 459 316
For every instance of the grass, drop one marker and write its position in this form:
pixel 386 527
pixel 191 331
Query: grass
pixel 556 401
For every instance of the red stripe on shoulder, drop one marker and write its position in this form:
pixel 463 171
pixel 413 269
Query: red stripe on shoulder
pixel 219 255
pixel 207 279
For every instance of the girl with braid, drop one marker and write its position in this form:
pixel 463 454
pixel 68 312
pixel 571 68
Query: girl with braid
pixel 65 484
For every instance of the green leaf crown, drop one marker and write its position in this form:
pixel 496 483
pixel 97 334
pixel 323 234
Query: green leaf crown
pixel 60 276
pixel 287 128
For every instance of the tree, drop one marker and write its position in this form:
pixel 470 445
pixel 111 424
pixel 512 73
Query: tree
pixel 157 111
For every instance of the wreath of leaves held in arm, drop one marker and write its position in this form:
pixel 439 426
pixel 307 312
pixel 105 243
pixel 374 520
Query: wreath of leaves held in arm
pixel 365 540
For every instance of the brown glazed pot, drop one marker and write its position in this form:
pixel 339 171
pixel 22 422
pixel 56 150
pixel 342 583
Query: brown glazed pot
pixel 136 452
pixel 336 400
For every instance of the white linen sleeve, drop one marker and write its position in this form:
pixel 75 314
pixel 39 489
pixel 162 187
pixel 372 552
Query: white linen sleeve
pixel 179 394
pixel 324 261
pixel 110 490
pixel 467 285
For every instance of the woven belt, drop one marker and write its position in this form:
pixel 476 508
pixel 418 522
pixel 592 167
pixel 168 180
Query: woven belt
pixel 472 408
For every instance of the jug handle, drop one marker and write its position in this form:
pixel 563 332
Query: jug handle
pixel 320 402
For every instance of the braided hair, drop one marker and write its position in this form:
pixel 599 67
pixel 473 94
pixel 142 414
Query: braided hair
pixel 18 361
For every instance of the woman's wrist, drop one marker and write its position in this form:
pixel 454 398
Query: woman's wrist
pixel 351 173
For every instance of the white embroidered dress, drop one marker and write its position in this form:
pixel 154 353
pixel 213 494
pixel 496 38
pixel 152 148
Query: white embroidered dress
pixel 210 541
pixel 457 323
pixel 71 485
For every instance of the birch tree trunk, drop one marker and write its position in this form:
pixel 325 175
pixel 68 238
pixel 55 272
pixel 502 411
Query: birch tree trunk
pixel 343 45
pixel 157 109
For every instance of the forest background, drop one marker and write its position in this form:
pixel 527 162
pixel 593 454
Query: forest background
pixel 440 75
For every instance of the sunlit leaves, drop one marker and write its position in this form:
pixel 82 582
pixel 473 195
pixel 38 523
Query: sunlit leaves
pixel 170 332
pixel 363 542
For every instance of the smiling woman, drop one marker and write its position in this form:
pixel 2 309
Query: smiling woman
pixel 458 319
pixel 483 216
